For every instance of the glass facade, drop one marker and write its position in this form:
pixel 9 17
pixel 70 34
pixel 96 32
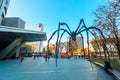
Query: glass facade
pixel 3 8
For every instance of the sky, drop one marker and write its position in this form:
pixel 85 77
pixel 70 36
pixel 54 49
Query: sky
pixel 51 12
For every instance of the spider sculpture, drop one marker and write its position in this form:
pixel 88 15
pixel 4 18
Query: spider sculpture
pixel 81 28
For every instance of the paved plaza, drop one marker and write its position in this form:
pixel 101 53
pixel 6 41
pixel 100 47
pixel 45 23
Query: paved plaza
pixel 39 69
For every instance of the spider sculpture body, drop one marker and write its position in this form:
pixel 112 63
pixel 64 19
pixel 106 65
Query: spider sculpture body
pixel 81 28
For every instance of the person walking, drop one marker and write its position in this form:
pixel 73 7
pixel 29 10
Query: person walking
pixel 21 57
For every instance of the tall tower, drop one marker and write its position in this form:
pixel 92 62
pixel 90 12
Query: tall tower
pixel 3 8
pixel 40 43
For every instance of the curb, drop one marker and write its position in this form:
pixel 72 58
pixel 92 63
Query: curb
pixel 113 72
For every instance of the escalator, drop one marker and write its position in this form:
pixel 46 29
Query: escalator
pixel 11 40
pixel 9 50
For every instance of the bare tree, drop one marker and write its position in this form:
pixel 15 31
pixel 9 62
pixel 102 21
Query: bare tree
pixel 107 19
